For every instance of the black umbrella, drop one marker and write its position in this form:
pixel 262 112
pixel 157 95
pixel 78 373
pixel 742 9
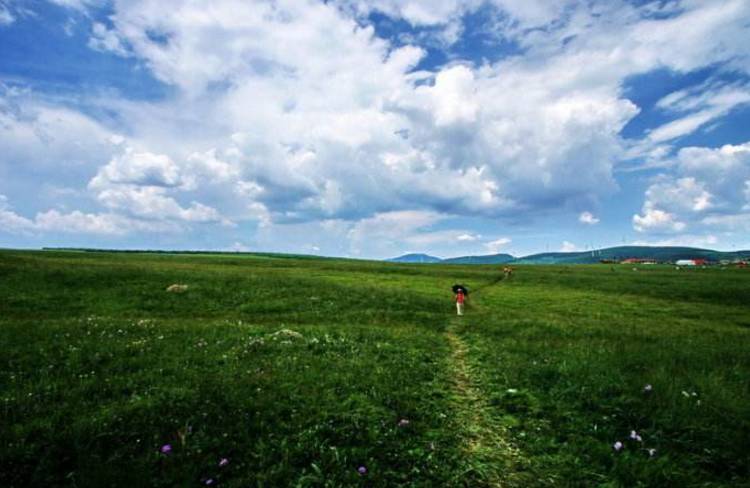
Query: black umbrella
pixel 462 288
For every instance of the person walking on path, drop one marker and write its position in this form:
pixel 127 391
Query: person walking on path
pixel 460 297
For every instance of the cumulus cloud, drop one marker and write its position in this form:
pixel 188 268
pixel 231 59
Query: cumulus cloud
pixel 588 218
pixel 11 222
pixel 45 135
pixel 387 232
pixel 75 222
pixel 708 190
pixel 139 168
pixel 139 184
pixel 270 118
pixel 502 138
pixel 416 12
pixel 468 237
pixel 568 247
pixel 495 246
pixel 655 220
pixel 104 39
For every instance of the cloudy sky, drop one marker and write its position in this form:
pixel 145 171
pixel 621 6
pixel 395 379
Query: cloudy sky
pixel 371 128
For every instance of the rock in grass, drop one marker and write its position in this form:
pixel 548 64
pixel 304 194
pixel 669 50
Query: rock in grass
pixel 287 335
pixel 177 288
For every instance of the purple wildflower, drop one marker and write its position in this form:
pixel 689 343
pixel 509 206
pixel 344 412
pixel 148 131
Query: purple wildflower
pixel 617 446
pixel 166 448
pixel 223 462
pixel 209 481
pixel 634 435
pixel 362 470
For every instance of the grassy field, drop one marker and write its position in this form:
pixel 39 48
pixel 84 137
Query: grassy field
pixel 273 371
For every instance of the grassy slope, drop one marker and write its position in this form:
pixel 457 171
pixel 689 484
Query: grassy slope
pixel 565 354
pixel 100 367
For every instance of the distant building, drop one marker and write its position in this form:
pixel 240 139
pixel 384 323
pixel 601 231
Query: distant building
pixel 687 262
pixel 637 261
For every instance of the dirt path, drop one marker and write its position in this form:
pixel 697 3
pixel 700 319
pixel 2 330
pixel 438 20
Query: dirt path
pixel 490 457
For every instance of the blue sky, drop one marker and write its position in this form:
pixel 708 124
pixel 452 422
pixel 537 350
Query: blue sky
pixel 372 128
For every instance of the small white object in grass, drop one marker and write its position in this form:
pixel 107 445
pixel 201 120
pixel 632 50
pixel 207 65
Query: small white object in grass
pixel 648 388
pixel 617 446
pixel 177 288
pixel 685 394
pixel 512 391
pixel 286 334
pixel 652 452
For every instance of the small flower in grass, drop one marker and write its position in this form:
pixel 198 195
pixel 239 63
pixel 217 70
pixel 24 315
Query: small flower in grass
pixel 651 452
pixel 403 422
pixel 223 462
pixel 209 482
pixel 685 394
pixel 166 448
pixel 648 388
pixel 634 435
pixel 617 446
pixel 362 470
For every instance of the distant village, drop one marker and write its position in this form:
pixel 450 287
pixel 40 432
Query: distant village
pixel 680 262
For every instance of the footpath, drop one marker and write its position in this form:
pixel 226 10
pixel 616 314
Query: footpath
pixel 490 456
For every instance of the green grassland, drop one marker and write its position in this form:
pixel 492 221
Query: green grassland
pixel 304 372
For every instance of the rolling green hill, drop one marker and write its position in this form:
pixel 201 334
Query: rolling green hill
pixel 659 254
pixel 489 259
pixel 271 371
pixel 415 258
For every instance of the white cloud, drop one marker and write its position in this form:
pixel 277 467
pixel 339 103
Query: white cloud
pixel 689 240
pixel 588 218
pixel 708 189
pixel 387 232
pixel 498 139
pixel 81 5
pixel 11 222
pixel 495 246
pixel 568 247
pixel 139 184
pixel 701 105
pixel 416 12
pixel 468 237
pixel 46 136
pixel 6 17
pixel 104 39
pixel 139 168
pixel 655 220
pixel 518 135
pixel 271 119
pixel 75 222
pixel 152 202
pixel 238 247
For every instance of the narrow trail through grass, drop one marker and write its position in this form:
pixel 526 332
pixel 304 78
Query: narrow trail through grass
pixel 490 456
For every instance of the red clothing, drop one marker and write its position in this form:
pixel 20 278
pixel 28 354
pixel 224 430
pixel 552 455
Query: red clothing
pixel 459 297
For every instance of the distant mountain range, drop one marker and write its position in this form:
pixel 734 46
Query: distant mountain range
pixel 660 254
